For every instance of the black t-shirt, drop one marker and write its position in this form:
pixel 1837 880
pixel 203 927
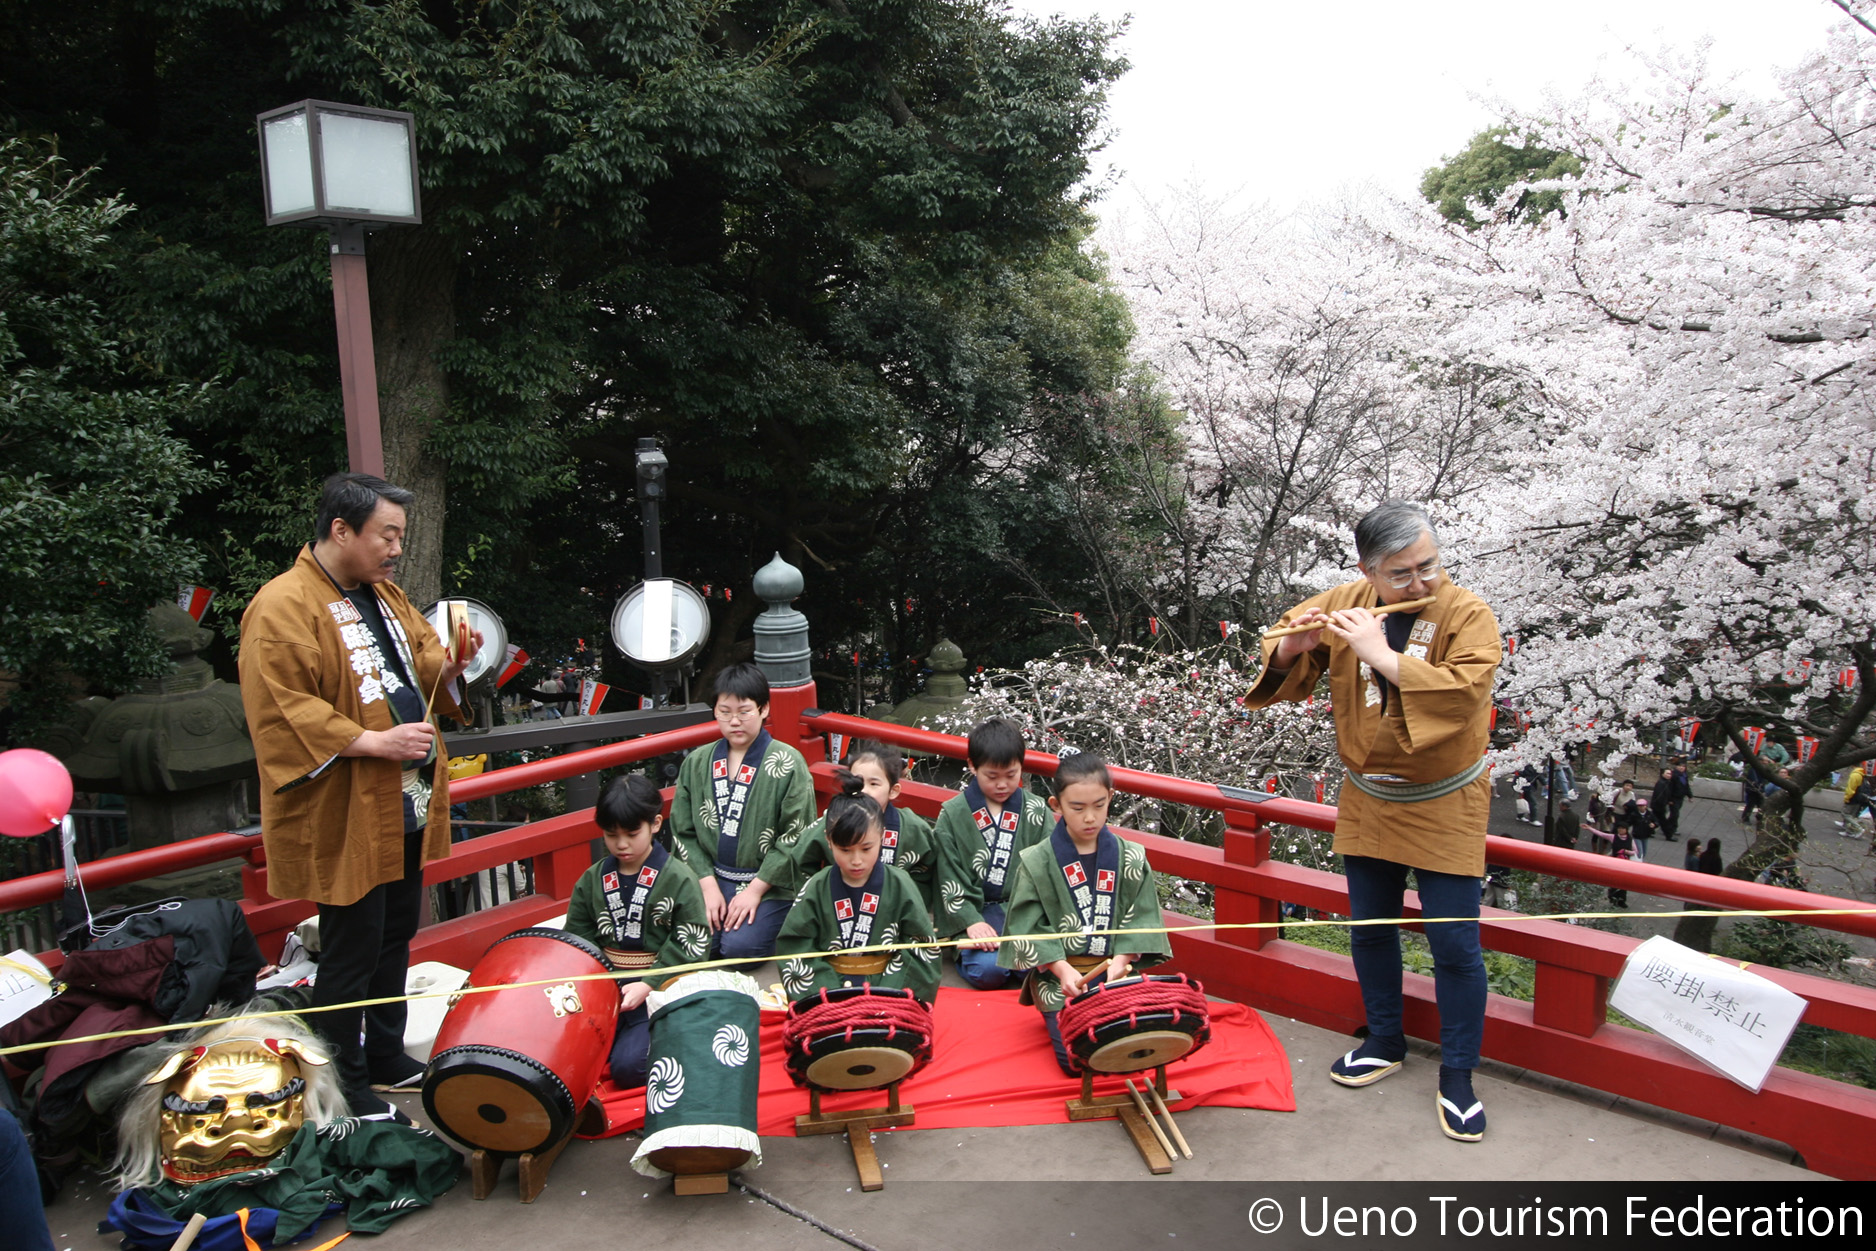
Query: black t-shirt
pixel 1397 626
pixel 406 703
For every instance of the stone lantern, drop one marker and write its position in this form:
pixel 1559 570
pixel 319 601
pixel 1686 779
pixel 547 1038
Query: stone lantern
pixel 944 691
pixel 177 748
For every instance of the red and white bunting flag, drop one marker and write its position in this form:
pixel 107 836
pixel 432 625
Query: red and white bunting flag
pixel 1847 679
pixel 1690 726
pixel 195 600
pixel 1077 619
pixel 1152 625
pixel 592 695
pixel 726 595
pixel 1511 646
pixel 1807 748
pixel 1754 736
pixel 1224 629
pixel 514 660
pixel 1322 788
pixel 644 703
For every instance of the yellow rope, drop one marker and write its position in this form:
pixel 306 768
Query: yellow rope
pixel 1052 935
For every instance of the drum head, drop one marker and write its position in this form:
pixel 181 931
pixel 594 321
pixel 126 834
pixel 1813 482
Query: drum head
pixel 1145 1050
pixel 860 1068
pixel 498 1101
pixel 689 1161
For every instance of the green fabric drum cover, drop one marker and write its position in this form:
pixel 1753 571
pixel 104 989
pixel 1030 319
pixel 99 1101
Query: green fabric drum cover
pixel 705 1067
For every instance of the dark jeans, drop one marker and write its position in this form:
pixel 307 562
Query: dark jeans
pixel 25 1225
pixel 1375 889
pixel 979 968
pixel 755 938
pixel 1053 1020
pixel 631 1048
pixel 364 953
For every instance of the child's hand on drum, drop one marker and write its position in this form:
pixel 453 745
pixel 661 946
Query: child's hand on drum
pixel 1069 977
pixel 1120 966
pixel 633 995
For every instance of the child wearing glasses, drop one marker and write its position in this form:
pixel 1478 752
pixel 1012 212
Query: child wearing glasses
pixel 741 803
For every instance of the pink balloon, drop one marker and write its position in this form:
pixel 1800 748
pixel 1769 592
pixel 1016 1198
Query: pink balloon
pixel 35 792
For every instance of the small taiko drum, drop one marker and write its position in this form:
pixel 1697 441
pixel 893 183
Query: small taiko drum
pixel 705 1070
pixel 513 1069
pixel 1136 1023
pixel 857 1038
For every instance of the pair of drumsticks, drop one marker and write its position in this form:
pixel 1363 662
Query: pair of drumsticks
pixel 1159 1102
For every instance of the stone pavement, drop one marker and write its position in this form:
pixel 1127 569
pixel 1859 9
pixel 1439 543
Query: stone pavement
pixel 1831 863
pixel 1045 1185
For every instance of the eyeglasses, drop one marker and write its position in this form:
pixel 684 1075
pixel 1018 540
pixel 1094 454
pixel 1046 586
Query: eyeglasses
pixel 737 718
pixel 1426 571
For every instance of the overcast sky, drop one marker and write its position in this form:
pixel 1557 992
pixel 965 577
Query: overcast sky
pixel 1291 102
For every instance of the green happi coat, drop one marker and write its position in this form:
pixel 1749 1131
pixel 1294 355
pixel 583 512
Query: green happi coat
pixel 675 926
pixel 916 853
pixel 963 856
pixel 1041 904
pixel 812 927
pixel 780 807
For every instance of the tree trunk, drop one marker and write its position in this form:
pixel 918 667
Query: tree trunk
pixel 413 314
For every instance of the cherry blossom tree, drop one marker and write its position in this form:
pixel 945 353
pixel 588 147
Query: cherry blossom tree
pixel 1177 713
pixel 1685 523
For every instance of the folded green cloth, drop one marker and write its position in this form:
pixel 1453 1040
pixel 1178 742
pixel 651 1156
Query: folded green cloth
pixel 378 1169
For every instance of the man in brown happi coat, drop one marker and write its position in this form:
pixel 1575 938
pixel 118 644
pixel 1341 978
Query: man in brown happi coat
pixel 336 669
pixel 1412 697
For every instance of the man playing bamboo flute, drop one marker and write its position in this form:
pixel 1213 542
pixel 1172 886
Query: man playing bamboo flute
pixel 1412 696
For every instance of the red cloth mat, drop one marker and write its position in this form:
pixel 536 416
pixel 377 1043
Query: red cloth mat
pixel 991 1065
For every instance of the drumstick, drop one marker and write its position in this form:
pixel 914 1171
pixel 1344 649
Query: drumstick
pixel 1411 605
pixel 1159 1101
pixel 1152 1124
pixel 189 1232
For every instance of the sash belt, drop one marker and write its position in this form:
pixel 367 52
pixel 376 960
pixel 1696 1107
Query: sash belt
pixel 1415 792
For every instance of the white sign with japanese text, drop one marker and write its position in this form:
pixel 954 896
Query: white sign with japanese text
pixel 1735 1021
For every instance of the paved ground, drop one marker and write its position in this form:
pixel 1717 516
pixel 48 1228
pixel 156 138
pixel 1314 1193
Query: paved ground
pixel 1061 1185
pixel 1831 863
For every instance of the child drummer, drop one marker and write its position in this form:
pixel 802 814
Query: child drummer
pixel 980 833
pixel 905 838
pixel 1082 879
pixel 642 907
pixel 857 901
pixel 740 804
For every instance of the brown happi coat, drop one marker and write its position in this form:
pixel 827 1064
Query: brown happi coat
pixel 1437 724
pixel 332 832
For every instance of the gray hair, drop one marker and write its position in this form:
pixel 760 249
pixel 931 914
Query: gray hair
pixel 1391 526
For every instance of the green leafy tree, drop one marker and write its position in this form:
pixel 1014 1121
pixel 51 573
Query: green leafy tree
pixel 90 474
pixel 1494 160
pixel 827 251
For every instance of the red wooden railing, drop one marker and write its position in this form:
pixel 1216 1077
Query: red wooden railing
pixel 1563 1032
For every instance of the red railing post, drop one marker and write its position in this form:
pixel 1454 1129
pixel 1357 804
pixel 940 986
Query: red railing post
pixel 1247 842
pixel 786 704
pixel 1571 1000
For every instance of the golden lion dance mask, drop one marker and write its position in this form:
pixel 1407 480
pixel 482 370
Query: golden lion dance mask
pixel 230 1106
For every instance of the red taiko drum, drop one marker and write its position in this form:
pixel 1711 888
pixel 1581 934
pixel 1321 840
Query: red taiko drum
pixel 512 1069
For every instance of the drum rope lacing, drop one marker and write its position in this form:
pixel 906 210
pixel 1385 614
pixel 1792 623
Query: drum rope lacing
pixel 1177 994
pixel 811 1020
